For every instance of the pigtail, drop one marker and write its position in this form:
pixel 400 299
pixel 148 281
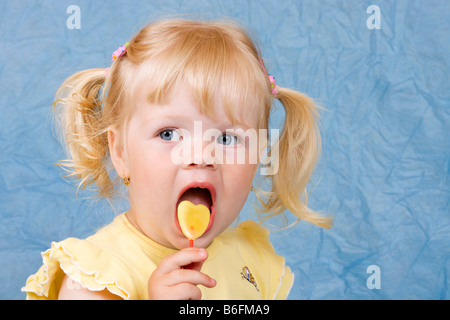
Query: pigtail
pixel 299 147
pixel 78 111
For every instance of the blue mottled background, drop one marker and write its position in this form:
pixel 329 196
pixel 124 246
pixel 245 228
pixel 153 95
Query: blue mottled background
pixel 384 171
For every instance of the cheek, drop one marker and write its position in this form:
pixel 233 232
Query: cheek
pixel 150 169
pixel 238 182
pixel 241 175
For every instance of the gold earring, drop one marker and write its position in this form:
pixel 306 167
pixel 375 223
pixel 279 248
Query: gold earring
pixel 126 181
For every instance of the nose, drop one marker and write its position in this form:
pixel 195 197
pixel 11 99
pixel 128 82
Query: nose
pixel 199 154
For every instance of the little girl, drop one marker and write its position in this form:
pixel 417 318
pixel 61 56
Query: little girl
pixel 175 83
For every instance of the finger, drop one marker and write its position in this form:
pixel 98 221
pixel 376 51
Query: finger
pixel 182 291
pixel 186 291
pixel 195 265
pixel 189 276
pixel 181 259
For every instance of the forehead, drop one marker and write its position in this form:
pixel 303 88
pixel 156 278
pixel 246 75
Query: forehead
pixel 219 70
pixel 181 103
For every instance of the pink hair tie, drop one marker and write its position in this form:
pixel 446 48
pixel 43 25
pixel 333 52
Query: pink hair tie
pixel 120 51
pixel 273 85
pixel 116 54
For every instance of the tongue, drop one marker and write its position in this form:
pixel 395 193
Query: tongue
pixel 197 196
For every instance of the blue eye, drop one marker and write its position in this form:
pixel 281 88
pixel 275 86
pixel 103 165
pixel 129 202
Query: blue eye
pixel 227 139
pixel 169 135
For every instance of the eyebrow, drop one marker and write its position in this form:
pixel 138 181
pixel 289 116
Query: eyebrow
pixel 220 122
pixel 167 114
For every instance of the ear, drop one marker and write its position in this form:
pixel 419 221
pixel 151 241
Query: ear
pixel 117 153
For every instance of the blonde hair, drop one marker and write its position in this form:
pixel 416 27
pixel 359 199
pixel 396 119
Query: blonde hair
pixel 208 55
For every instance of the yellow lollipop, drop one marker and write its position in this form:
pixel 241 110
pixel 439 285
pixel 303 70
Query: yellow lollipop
pixel 193 220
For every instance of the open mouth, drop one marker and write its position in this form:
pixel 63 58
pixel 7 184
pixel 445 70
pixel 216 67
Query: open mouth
pixel 198 193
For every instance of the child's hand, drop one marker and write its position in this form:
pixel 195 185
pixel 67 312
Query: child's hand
pixel 178 275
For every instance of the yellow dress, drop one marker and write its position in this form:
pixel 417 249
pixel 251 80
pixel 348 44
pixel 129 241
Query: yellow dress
pixel 121 259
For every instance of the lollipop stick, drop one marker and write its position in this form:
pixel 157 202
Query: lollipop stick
pixel 191 243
